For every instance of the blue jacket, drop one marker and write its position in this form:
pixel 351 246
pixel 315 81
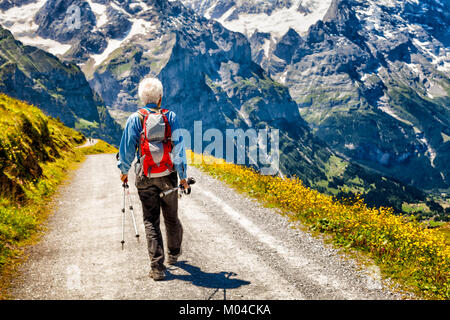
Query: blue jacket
pixel 130 143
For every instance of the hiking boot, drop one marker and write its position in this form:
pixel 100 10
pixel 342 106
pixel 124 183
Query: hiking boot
pixel 157 275
pixel 173 259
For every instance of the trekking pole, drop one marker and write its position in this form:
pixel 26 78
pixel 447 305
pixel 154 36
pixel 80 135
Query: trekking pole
pixel 166 193
pixel 123 218
pixel 132 211
pixel 190 182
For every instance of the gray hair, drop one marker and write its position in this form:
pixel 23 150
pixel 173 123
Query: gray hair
pixel 150 90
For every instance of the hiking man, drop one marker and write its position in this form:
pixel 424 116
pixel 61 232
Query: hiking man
pixel 149 133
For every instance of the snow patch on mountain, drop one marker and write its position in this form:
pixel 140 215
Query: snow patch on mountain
pixel 265 16
pixel 100 13
pixel 54 47
pixel 442 61
pixel 120 9
pixel 378 25
pixel 20 19
pixel 384 106
pixel 140 26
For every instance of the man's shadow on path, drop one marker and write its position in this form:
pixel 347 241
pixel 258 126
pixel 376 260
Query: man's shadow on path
pixel 218 281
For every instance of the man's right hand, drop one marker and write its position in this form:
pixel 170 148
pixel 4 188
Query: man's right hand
pixel 124 178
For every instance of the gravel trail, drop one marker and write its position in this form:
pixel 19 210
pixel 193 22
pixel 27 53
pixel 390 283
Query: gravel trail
pixel 233 248
pixel 88 144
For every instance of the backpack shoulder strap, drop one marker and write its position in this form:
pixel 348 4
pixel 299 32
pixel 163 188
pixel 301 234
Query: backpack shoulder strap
pixel 142 113
pixel 168 133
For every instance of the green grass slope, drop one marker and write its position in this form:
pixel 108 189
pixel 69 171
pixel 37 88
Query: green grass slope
pixel 36 152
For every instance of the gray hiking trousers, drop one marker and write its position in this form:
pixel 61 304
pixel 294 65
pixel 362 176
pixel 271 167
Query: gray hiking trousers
pixel 149 190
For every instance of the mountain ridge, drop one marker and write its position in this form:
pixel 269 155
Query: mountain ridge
pixel 59 89
pixel 371 79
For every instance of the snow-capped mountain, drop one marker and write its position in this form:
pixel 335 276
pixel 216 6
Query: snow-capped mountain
pixel 373 80
pixel 78 29
pixel 268 16
pixel 371 77
pixel 19 18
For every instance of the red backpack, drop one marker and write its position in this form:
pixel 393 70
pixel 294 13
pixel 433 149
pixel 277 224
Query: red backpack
pixel 156 143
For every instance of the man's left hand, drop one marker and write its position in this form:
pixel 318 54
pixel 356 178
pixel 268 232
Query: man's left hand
pixel 124 178
pixel 184 184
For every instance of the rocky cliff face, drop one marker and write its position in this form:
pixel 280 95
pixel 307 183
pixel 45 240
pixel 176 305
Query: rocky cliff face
pixel 371 78
pixel 58 88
